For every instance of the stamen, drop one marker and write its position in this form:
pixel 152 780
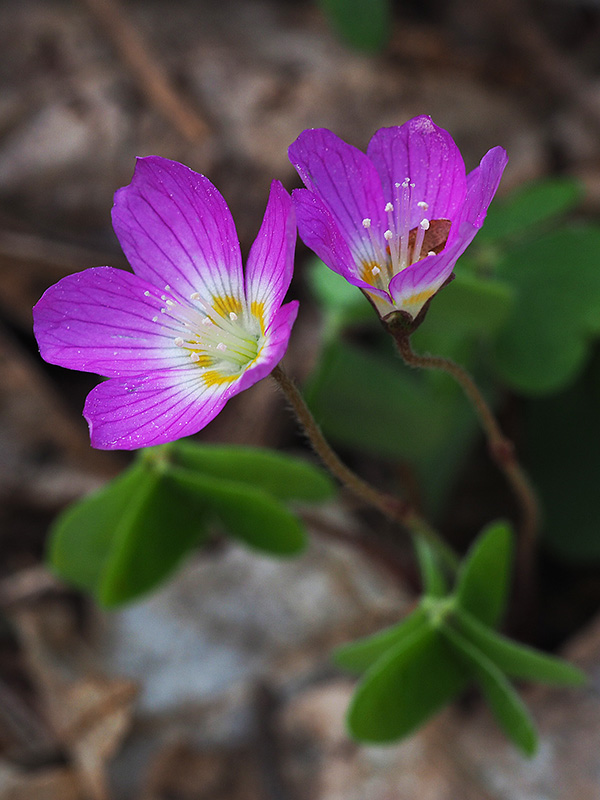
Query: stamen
pixel 179 341
pixel 404 222
pixel 169 302
pixel 195 357
pixel 163 297
pixel 388 235
pixel 379 256
pixel 154 319
pixel 366 223
pixel 195 296
pixel 416 252
pixel 233 316
pixel 423 205
pixel 207 321
pixel 222 347
pixel 147 293
pixel 375 271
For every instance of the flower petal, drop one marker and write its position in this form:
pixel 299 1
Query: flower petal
pixel 427 155
pixel 277 338
pixel 319 231
pixel 102 320
pixel 482 184
pixel 176 229
pixel 347 183
pixel 146 410
pixel 271 260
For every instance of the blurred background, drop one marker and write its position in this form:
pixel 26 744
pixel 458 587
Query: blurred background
pixel 219 686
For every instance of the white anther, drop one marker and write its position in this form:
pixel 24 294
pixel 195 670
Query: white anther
pixel 195 296
pixel 432 253
pixel 222 347
pixel 422 204
pixel 147 293
pixel 163 310
pixel 366 223
pixel 375 271
pixel 163 297
pixel 233 316
pixel 424 224
pixel 169 302
pixel 389 207
pixel 195 357
pixel 412 186
pixel 388 235
pixel 179 341
pixel 167 288
pixel 154 319
pixel 406 183
pixel 207 321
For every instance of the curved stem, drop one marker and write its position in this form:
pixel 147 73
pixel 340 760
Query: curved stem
pixel 392 507
pixel 501 448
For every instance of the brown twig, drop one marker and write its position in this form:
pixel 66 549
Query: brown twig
pixel 392 507
pixel 144 66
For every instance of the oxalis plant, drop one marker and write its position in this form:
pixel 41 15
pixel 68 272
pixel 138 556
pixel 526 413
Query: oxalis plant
pixel 190 328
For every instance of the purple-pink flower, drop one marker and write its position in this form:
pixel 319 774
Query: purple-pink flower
pixel 394 221
pixel 186 331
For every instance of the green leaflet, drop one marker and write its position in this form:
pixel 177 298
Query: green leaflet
pixel 508 708
pixel 281 476
pixel 484 578
pixel 517 660
pixel 405 687
pixel 245 512
pixel 360 655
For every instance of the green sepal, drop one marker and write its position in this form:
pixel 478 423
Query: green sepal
pixel 484 578
pixel 360 655
pixel 405 687
pixel 508 708
pixel 517 660
pixel 246 512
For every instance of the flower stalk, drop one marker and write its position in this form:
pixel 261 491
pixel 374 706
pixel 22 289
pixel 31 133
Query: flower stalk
pixel 392 507
pixel 501 448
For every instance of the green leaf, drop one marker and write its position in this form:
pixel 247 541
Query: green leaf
pixel 470 306
pixel 564 458
pixel 405 687
pixel 125 539
pixel 282 476
pixel 366 401
pixel 364 24
pixel 360 655
pixel 507 706
pixel 526 209
pixel 483 582
pixel 432 576
pixel 515 659
pixel 546 339
pixel 247 513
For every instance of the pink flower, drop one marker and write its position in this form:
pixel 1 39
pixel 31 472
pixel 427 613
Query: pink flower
pixel 394 221
pixel 186 331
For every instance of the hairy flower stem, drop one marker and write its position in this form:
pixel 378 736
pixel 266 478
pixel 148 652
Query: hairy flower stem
pixel 501 448
pixel 393 507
